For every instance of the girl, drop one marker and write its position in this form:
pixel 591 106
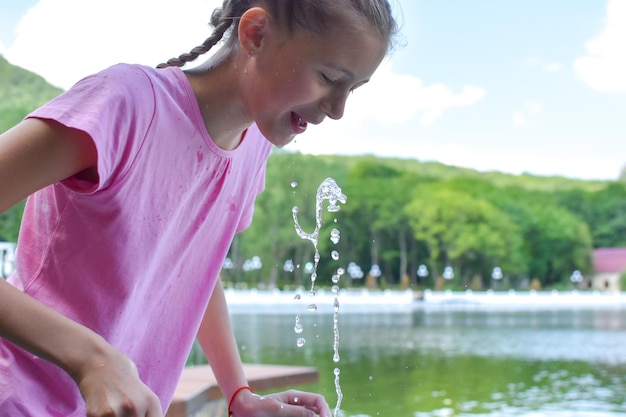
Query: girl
pixel 140 178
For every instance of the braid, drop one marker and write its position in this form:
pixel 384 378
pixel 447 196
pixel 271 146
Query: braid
pixel 292 15
pixel 221 19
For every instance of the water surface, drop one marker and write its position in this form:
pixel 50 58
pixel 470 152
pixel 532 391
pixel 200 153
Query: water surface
pixel 454 362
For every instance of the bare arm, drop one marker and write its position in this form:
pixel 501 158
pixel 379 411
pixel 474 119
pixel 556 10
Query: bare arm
pixel 32 155
pixel 35 153
pixel 218 343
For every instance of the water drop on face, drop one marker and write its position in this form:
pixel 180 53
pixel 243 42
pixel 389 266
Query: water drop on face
pixel 312 307
pixel 335 255
pixel 300 342
pixel 296 400
pixel 294 184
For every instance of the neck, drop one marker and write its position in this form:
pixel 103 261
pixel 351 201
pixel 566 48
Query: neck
pixel 216 89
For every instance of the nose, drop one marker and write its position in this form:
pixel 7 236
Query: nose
pixel 334 104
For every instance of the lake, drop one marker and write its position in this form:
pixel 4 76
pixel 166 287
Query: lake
pixel 425 360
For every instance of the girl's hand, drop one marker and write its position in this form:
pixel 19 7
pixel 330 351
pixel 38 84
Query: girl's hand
pixel 290 403
pixel 112 388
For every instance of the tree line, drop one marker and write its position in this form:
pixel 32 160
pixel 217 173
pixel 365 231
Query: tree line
pixel 403 214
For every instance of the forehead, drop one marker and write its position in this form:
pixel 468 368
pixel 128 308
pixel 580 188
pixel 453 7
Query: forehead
pixel 356 47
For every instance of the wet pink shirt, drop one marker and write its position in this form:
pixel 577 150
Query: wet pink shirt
pixel 135 257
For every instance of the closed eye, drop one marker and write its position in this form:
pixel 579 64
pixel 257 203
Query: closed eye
pixel 328 80
pixel 358 85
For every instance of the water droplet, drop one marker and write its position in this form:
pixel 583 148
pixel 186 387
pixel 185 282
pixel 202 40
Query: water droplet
pixel 370 377
pixel 336 371
pixel 294 184
pixel 335 235
pixel 297 297
pixel 295 210
pixel 312 307
pixel 336 305
pixel 335 255
pixel 300 342
pixel 335 289
pixel 335 278
pixel 341 271
pixel 298 326
pixel 296 400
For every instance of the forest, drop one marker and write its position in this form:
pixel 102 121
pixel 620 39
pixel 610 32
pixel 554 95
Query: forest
pixel 401 216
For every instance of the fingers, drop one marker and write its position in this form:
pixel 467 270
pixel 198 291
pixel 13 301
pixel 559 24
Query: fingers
pixel 151 407
pixel 303 404
pixel 154 408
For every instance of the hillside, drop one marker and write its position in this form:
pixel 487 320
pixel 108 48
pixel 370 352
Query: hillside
pixel 21 91
pixel 437 170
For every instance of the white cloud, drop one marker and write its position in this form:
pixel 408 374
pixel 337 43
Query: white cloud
pixel 397 98
pixel 530 109
pixel 604 66
pixel 64 40
pixel 551 66
pixel 519 119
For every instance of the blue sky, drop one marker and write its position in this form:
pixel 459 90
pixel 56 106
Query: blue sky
pixel 527 86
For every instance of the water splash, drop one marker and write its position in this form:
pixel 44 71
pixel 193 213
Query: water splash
pixel 298 326
pixel 338 390
pixel 328 190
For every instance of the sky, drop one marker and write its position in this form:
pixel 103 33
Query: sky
pixel 529 86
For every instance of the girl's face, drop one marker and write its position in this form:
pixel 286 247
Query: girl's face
pixel 299 79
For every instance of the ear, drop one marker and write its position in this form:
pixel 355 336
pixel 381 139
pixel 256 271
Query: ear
pixel 252 29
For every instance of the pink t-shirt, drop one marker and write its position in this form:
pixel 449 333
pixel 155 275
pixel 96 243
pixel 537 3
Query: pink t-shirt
pixel 135 257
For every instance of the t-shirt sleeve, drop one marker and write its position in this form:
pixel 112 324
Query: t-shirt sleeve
pixel 115 108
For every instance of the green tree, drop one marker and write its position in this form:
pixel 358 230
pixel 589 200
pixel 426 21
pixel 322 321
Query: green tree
pixel 463 231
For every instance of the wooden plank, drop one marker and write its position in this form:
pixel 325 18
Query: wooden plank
pixel 198 385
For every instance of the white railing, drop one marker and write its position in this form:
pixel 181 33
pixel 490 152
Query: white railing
pixel 7 258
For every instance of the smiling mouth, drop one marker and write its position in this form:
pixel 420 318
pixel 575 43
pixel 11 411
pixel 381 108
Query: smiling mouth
pixel 298 124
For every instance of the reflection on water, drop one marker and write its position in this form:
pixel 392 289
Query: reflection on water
pixel 438 362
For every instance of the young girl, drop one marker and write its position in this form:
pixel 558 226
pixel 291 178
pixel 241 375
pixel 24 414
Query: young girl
pixel 139 178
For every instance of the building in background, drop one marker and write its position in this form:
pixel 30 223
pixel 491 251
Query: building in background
pixel 609 264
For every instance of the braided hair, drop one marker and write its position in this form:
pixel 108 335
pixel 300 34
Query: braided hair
pixel 291 15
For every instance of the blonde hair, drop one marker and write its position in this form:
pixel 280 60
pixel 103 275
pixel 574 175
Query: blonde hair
pixel 292 15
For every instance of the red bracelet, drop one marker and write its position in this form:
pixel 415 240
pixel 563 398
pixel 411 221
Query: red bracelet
pixel 232 397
